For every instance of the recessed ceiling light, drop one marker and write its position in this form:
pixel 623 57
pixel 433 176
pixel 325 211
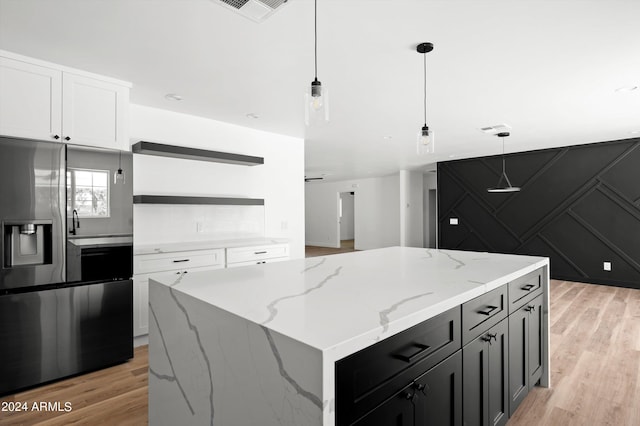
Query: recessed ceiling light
pixel 253 115
pixel 173 97
pixel 635 132
pixel 496 128
pixel 388 137
pixel 452 156
pixel 625 89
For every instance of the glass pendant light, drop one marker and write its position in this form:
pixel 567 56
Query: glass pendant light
pixel 118 176
pixel 316 97
pixel 426 136
pixel 504 184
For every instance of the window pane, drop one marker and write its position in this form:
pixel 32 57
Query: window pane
pixel 100 179
pixel 83 178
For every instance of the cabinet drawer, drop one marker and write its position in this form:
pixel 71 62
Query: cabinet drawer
pixel 521 288
pixel 257 262
pixel 158 262
pixel 254 253
pixel 370 376
pixel 483 312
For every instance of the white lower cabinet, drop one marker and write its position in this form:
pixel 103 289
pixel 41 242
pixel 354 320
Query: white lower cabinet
pixel 256 255
pixel 148 265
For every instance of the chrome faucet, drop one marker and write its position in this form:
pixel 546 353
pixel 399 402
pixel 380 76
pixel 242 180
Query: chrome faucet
pixel 75 222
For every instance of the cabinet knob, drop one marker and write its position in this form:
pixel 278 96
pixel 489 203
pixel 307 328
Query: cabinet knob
pixel 56 137
pixel 67 138
pixel 422 387
pixel 410 396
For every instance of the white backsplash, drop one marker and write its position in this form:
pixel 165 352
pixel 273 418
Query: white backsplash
pixel 158 223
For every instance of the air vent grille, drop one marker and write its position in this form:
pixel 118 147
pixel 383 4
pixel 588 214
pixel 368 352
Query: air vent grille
pixel 273 4
pixel 256 10
pixel 236 4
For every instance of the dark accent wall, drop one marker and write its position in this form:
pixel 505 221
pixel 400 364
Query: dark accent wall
pixel 579 206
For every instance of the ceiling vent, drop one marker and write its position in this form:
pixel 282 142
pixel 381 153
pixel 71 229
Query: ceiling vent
pixel 256 10
pixel 498 128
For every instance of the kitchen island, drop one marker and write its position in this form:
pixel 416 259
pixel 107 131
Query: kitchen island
pixel 266 344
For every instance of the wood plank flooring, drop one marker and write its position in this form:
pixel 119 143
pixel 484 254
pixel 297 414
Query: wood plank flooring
pixel 346 246
pixel 595 363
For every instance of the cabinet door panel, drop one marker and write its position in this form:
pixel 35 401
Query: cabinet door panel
pixel 518 358
pixel 475 373
pixel 442 402
pixel 396 411
pixel 94 112
pixel 140 305
pixel 498 412
pixel 535 341
pixel 30 100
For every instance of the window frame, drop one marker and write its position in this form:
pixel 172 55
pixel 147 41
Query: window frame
pixel 71 186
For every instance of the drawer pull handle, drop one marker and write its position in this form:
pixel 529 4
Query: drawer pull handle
pixel 259 252
pixel 530 308
pixel 528 287
pixel 181 260
pixel 488 311
pixel 410 358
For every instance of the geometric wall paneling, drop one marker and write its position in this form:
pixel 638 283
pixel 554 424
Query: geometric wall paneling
pixel 579 206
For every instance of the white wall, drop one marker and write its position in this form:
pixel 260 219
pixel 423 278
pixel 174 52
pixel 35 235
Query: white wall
pixel 347 231
pixel 377 212
pixel 430 181
pixel 279 181
pixel 411 206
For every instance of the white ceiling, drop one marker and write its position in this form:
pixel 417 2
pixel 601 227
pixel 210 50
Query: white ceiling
pixel 550 69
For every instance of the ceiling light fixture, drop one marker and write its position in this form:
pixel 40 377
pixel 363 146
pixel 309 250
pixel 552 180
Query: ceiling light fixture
pixel 625 89
pixel 316 97
pixel 504 184
pixel 173 97
pixel 253 115
pixel 426 137
pixel 118 176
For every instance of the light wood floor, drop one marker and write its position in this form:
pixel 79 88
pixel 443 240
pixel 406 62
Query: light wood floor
pixel 346 246
pixel 595 371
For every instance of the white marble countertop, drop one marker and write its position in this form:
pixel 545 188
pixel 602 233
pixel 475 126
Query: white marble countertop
pixel 342 303
pixel 101 241
pixel 204 245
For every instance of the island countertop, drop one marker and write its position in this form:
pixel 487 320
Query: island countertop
pixel 340 304
pixel 260 344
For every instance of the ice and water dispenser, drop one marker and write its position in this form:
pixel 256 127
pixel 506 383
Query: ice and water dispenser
pixel 27 243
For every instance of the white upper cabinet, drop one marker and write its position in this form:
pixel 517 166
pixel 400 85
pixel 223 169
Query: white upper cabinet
pixel 94 112
pixel 45 101
pixel 30 100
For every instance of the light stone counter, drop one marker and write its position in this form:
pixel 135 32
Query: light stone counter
pixel 258 345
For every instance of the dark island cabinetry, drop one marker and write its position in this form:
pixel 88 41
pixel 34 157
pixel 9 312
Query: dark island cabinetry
pixel 471 365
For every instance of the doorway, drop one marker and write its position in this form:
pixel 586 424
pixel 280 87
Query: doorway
pixel 346 219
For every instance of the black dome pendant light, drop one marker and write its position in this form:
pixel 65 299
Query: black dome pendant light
pixel 426 137
pixel 504 184
pixel 316 96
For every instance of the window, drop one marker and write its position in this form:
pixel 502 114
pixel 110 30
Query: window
pixel 88 192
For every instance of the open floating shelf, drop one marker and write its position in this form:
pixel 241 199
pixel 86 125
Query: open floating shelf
pixel 162 150
pixel 181 199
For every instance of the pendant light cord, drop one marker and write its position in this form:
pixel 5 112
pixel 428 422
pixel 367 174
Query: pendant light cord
pixel 503 168
pixel 425 88
pixel 315 37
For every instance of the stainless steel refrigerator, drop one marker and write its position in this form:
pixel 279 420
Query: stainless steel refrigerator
pixel 62 316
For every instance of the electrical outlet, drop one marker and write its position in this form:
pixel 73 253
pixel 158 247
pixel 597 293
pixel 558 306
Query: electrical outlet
pixel 453 221
pixel 606 266
pixel 199 227
pixel 284 225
